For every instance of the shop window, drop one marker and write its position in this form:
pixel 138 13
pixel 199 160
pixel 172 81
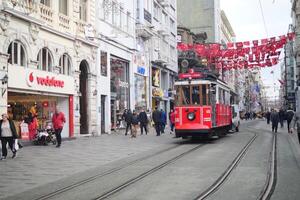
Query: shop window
pixel 17 54
pixel 45 2
pixel 63 7
pixel 65 64
pixel 83 10
pixel 103 63
pixel 45 60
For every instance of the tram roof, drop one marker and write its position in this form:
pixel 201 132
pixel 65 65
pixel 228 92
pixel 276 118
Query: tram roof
pixel 198 82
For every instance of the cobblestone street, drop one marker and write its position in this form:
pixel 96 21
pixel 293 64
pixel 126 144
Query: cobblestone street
pixel 38 165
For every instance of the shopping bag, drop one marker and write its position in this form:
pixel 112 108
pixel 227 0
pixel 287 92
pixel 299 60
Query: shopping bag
pixel 24 131
pixel 16 145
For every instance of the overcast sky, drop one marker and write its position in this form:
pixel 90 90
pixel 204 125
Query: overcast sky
pixel 247 21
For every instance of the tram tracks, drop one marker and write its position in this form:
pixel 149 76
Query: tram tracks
pixel 119 168
pixel 216 185
pixel 265 193
pixel 271 179
pixel 102 174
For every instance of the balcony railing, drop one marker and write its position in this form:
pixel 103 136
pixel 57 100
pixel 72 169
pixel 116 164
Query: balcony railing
pixel 64 21
pixel 46 13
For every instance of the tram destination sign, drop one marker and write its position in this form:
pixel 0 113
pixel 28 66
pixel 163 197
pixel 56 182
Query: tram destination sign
pixel 192 75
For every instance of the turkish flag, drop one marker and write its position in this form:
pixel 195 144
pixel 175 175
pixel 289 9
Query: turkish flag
pixel 273 39
pixel 255 42
pixel 239 45
pixel 264 41
pixel 230 45
pixel 247 43
pixel 291 36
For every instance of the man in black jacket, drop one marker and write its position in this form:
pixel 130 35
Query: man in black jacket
pixel 143 119
pixel 156 117
pixel 128 119
pixel 289 117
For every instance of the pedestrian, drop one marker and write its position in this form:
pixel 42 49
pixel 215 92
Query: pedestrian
pixel 268 116
pixel 128 120
pixel 289 117
pixel 163 120
pixel 58 121
pixel 296 120
pixel 156 117
pixel 143 119
pixel 123 118
pixel 281 117
pixel 32 122
pixel 274 119
pixel 135 124
pixel 8 134
pixel 172 120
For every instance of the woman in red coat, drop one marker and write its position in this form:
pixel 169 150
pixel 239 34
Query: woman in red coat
pixel 172 120
pixel 58 121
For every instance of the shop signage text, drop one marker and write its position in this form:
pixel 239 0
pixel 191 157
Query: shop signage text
pixel 141 70
pixel 45 81
pixel 123 84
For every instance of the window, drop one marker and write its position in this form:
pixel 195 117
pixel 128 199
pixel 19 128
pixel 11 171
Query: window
pixel 157 12
pixel 172 25
pixel 103 63
pixel 45 2
pixel 193 95
pixel 17 54
pixel 65 64
pixel 186 95
pixel 114 13
pixel 63 7
pixel 83 10
pixel 128 21
pixel 44 60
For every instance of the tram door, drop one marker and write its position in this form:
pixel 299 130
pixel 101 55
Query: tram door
pixel 213 99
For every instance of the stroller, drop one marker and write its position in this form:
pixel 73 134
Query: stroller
pixel 45 136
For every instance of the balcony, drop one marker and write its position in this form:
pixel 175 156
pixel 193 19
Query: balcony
pixel 64 21
pixel 143 31
pixel 46 13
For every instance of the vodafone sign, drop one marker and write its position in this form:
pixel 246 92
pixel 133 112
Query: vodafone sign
pixel 22 78
pixel 49 81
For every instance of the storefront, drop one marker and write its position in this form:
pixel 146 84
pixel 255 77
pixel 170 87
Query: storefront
pixel 120 90
pixel 140 92
pixel 39 92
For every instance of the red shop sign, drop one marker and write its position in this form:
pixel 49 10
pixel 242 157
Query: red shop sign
pixel 44 81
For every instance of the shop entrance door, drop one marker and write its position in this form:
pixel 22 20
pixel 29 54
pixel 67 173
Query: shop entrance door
pixel 103 98
pixel 113 114
pixel 83 98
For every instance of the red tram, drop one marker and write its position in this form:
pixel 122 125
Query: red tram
pixel 202 105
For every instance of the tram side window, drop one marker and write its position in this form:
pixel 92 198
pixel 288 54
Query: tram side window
pixel 186 95
pixel 195 95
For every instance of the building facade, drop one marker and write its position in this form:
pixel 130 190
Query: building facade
pixel 205 17
pixel 47 62
pixel 295 12
pixel 156 38
pixel 115 34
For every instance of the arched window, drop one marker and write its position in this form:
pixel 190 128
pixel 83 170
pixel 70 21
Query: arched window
pixel 17 54
pixel 65 64
pixel 45 60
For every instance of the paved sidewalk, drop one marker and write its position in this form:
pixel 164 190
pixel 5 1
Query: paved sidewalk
pixel 38 165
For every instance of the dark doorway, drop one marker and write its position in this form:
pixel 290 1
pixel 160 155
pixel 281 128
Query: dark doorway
pixel 83 101
pixel 103 98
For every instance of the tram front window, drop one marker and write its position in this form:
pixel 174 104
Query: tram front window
pixel 195 95
pixel 186 97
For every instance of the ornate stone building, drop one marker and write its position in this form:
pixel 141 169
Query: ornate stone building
pixel 46 61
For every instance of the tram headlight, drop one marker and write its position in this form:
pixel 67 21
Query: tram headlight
pixel 191 116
